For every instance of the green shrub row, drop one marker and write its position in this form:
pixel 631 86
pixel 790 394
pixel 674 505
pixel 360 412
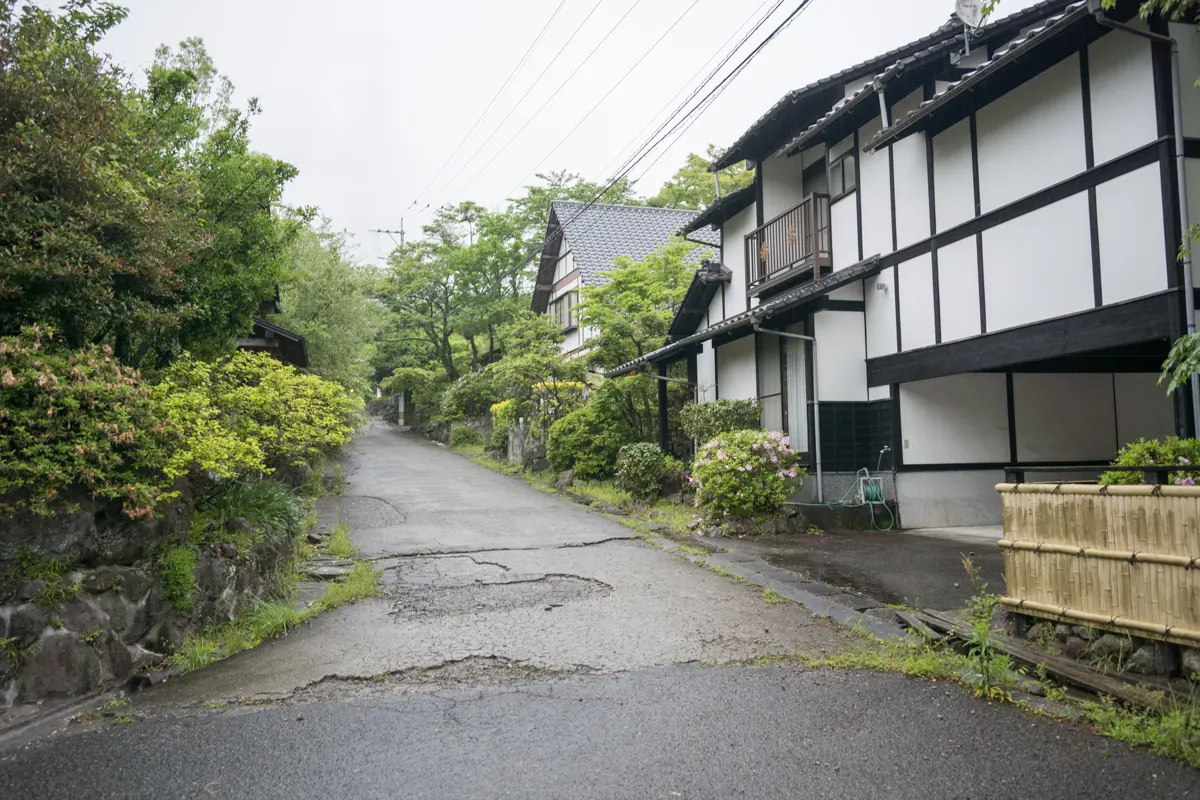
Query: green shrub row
pixel 81 420
pixel 704 422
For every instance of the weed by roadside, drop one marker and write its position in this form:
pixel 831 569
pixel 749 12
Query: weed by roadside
pixel 338 544
pixel 271 619
pixel 774 598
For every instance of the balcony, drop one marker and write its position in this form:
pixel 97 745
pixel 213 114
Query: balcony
pixel 790 250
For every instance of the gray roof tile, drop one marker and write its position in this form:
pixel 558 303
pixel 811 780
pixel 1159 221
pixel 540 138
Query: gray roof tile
pixel 599 234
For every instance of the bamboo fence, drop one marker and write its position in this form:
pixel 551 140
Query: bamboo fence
pixel 1124 558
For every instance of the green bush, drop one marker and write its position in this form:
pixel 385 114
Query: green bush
pixel 588 442
pixel 177 570
pixel 250 413
pixel 640 469
pixel 706 421
pixel 504 416
pixel 74 418
pixel 745 473
pixel 271 509
pixel 465 436
pixel 1146 452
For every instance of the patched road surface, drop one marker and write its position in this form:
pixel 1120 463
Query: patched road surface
pixel 525 647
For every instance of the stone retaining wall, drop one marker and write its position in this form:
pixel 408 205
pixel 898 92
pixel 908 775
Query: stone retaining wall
pixel 102 615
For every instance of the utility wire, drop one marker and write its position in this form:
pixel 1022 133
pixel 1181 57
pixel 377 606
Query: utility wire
pixel 487 139
pixel 599 102
pixel 561 86
pixel 692 114
pixel 495 97
pixel 622 154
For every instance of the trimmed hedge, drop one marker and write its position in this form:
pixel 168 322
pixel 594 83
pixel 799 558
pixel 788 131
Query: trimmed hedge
pixel 706 421
pixel 640 470
pixel 588 442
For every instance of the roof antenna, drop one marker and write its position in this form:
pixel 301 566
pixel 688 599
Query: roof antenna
pixel 971 14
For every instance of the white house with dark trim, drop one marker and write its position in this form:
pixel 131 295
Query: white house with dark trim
pixel 582 243
pixel 983 246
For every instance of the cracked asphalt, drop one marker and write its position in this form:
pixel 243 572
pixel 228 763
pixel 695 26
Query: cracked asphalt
pixel 525 647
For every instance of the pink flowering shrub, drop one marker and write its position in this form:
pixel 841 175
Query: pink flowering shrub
pixel 745 473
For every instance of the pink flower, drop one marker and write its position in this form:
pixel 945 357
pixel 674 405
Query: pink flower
pixel 1185 481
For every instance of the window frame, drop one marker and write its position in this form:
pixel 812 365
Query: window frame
pixel 837 166
pixel 568 320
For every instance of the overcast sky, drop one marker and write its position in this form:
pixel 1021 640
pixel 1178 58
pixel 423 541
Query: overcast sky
pixel 368 98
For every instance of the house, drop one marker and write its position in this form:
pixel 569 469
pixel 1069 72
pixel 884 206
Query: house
pixel 280 343
pixel 981 245
pixel 582 242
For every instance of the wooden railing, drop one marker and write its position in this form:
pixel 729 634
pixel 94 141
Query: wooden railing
pixel 795 242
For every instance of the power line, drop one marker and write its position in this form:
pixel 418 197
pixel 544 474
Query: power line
pixel 521 99
pixel 621 153
pixel 495 97
pixel 561 86
pixel 599 102
pixel 643 152
pixel 728 56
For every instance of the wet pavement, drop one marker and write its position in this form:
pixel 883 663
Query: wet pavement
pixel 523 646
pixel 915 568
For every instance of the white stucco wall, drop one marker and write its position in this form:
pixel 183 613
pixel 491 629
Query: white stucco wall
pixel 956 419
pixel 1039 265
pixel 1130 216
pixel 782 185
pixel 958 287
pixel 953 179
pixel 912 179
pixel 1122 93
pixel 736 377
pixel 1031 137
pixel 841 363
pixel 874 186
pixel 733 234
pixel 881 313
pixel 843 219
pixel 706 375
pixel 916 303
pixel 1064 417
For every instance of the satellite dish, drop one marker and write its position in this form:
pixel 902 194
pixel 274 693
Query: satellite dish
pixel 970 12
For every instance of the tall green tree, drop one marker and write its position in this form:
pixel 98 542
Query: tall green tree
pixel 692 186
pixel 327 299
pixel 632 311
pixel 93 239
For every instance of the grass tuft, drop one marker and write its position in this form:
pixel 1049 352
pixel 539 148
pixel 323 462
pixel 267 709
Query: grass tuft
pixel 177 570
pixel 338 544
pixel 271 619
pixel 772 597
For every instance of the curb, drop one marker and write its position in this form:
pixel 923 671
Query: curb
pixel 818 598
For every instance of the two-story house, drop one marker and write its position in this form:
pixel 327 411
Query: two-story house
pixel 979 239
pixel 582 243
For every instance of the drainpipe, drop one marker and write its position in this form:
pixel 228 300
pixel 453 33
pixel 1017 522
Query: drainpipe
pixel 879 88
pixel 1189 300
pixel 816 401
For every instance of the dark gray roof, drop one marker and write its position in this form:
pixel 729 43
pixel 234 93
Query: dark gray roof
pixel 599 234
pixel 722 209
pixel 796 111
pixel 1072 14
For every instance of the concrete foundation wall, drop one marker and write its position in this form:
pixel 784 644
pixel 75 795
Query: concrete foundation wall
pixel 949 499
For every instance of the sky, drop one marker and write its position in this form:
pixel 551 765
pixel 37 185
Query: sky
pixel 370 98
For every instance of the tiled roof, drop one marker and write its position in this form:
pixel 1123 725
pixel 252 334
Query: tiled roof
pixel 867 90
pixel 745 147
pixel 599 233
pixel 1073 13
pixel 722 209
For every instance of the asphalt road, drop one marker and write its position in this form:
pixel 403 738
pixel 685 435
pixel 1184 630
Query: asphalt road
pixel 523 647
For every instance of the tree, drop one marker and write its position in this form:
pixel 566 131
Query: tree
pixel 187 112
pixel 93 241
pixel 692 186
pixel 632 311
pixel 140 219
pixel 326 300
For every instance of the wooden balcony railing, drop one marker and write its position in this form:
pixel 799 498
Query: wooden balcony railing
pixel 792 248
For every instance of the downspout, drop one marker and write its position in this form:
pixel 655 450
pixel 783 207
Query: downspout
pixel 816 401
pixel 1189 299
pixel 880 87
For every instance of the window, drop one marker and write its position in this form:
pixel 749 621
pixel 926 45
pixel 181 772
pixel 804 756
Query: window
pixel 564 310
pixel 843 176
